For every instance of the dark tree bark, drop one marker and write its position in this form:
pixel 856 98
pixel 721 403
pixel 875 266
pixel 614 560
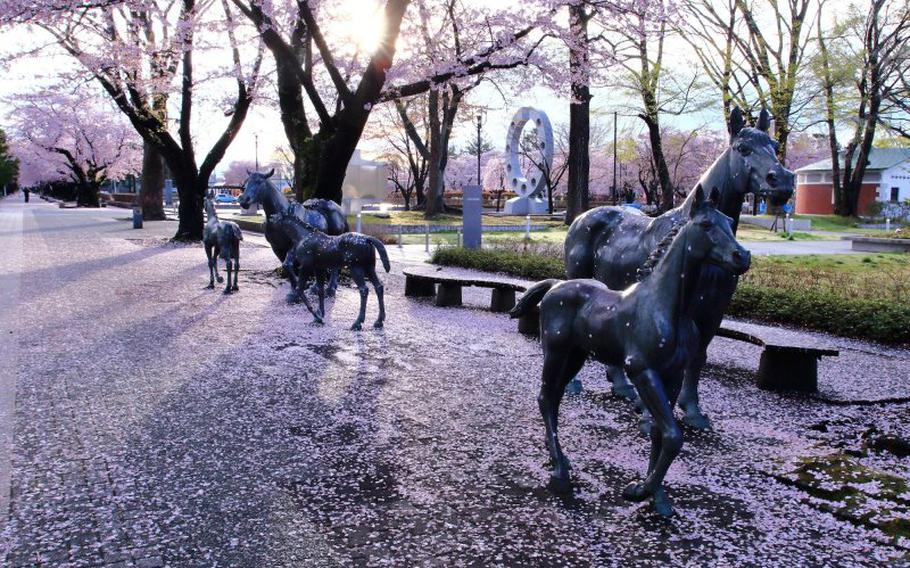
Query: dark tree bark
pixel 151 196
pixel 577 191
pixel 828 89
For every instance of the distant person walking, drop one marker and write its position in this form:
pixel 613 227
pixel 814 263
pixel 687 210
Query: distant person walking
pixel 26 192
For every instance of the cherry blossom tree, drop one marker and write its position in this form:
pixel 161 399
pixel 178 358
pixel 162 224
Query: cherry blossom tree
pixel 446 44
pixel 9 165
pixel 74 138
pixel 138 51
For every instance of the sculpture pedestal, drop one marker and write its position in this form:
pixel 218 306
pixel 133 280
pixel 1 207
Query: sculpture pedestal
pixel 526 206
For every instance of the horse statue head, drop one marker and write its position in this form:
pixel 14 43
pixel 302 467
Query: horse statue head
pixel 709 235
pixel 256 189
pixel 752 157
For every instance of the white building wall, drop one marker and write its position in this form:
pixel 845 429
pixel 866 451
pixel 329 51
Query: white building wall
pixel 895 177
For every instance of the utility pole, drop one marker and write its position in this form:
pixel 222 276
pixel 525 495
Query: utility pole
pixel 256 139
pixel 614 156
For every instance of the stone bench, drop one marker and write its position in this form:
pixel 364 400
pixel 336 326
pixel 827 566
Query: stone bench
pixel 423 283
pixel 784 365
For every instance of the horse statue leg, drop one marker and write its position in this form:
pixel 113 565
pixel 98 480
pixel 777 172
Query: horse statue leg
pixel 333 282
pixel 288 266
pixel 208 254
pixel 228 263
pixel 379 289
pixel 216 252
pixel 688 397
pixel 620 383
pixel 303 279
pixel 357 275
pixel 559 367
pixel 320 290
pixel 666 440
pixel 236 286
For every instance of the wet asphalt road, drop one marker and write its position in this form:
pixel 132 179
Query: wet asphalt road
pixel 157 423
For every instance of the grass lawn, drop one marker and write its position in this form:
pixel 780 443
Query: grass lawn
pixel 417 218
pixel 748 232
pixel 880 276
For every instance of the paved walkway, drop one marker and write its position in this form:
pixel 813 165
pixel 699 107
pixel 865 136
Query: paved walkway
pixel 161 424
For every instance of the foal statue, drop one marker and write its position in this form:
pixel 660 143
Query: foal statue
pixel 315 253
pixel 646 329
pixel 610 243
pixel 221 238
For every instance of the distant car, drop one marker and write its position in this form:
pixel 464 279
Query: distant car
pixel 223 198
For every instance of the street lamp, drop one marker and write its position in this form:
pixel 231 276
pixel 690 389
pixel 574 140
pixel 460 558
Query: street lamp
pixel 256 142
pixel 479 145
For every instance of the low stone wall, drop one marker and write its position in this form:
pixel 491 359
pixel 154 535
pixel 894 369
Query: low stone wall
pixel 876 244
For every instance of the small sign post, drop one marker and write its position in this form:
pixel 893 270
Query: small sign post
pixel 472 207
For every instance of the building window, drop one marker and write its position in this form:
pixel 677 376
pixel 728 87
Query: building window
pixel 814 178
pixel 895 194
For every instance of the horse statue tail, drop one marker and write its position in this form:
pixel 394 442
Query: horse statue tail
pixel 383 255
pixel 532 297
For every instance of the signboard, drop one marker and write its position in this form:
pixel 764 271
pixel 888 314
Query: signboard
pixel 472 207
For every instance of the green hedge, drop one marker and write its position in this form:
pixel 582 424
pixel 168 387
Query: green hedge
pixel 877 320
pixel 524 265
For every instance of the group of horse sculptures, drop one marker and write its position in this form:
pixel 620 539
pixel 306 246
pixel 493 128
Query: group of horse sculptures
pixel 643 295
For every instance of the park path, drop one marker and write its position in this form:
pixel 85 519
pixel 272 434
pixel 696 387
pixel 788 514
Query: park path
pixel 160 424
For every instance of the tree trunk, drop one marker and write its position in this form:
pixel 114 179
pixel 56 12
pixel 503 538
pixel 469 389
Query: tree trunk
pixel 577 191
pixel 828 87
pixel 660 163
pixel 87 194
pixel 151 194
pixel 191 190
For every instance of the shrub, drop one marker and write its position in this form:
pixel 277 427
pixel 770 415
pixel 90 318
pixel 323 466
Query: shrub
pixel 523 265
pixel 878 320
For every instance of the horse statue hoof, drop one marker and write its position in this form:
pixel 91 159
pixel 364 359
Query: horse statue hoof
pixel 559 484
pixel 661 503
pixel 235 287
pixel 210 287
pixel 227 291
pixel 635 492
pixel 377 325
pixel 697 420
pixel 645 424
pixel 357 326
pixel 220 279
pixel 292 298
pixel 626 392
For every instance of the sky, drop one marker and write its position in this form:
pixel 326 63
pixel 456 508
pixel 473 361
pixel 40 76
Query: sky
pixel 263 122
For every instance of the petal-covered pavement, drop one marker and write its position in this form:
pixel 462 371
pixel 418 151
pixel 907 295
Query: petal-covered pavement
pixel 157 423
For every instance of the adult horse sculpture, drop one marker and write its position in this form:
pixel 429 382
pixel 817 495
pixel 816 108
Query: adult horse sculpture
pixel 315 253
pixel 322 214
pixel 609 243
pixel 647 330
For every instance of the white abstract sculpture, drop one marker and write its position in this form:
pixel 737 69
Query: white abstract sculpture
pixel 531 187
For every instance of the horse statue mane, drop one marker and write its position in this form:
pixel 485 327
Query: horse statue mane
pixel 290 215
pixel 659 251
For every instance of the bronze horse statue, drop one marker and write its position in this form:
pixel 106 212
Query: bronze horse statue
pixel 647 330
pixel 314 254
pixel 610 243
pixel 221 239
pixel 322 214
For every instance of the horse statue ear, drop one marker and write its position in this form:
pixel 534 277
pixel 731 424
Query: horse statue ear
pixel 764 121
pixel 714 198
pixel 248 173
pixel 699 200
pixel 737 122
pixel 270 173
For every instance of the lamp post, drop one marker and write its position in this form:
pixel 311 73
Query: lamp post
pixel 479 148
pixel 615 189
pixel 256 142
